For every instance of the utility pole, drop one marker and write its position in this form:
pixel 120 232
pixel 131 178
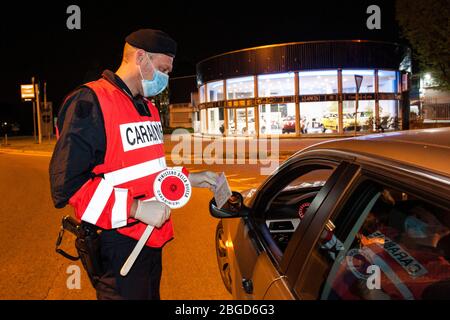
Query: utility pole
pixel 34 109
pixel 38 107
pixel 45 108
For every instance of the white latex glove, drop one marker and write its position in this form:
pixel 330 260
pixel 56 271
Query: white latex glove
pixel 204 179
pixel 153 213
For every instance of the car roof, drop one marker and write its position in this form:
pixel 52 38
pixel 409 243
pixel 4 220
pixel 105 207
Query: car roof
pixel 428 149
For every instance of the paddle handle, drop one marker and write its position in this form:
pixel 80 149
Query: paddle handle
pixel 137 249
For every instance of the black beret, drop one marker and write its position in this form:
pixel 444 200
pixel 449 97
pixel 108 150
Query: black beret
pixel 154 41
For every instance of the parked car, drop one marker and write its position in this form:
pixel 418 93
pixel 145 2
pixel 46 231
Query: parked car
pixel 288 124
pixel 339 217
pixel 330 122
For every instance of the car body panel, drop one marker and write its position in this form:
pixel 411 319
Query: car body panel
pixel 417 159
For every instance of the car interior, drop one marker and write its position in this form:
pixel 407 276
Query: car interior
pixel 290 205
pixel 408 238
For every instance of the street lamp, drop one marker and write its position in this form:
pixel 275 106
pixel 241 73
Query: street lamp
pixel 358 81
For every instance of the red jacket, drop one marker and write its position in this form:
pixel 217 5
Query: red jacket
pixel 134 156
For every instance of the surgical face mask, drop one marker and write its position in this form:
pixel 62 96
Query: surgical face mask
pixel 155 86
pixel 416 228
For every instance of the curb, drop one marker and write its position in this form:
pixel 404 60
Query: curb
pixel 26 152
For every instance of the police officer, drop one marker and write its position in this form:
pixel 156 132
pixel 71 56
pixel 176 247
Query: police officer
pixel 109 150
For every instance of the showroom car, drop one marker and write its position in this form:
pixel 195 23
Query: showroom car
pixel 358 218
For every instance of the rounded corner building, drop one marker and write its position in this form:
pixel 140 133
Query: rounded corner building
pixel 305 89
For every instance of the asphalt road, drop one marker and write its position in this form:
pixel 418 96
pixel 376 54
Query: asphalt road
pixel 29 224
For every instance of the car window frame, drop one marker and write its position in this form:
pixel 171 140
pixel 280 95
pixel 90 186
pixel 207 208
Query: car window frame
pixel 341 166
pixel 395 175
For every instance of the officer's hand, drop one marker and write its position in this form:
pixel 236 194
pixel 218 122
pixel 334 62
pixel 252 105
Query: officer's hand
pixel 153 213
pixel 204 179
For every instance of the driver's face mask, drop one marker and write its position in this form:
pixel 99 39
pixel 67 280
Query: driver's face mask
pixel 155 86
pixel 416 228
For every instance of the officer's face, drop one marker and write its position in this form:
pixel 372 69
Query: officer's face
pixel 159 61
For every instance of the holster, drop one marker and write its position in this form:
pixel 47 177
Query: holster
pixel 87 244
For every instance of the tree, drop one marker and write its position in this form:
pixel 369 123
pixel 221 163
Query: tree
pixel 161 101
pixel 425 24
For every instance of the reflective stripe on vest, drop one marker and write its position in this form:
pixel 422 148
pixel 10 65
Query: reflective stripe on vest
pixel 106 187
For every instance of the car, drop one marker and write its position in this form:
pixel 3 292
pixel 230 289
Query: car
pixel 288 125
pixel 330 122
pixel 365 121
pixel 356 218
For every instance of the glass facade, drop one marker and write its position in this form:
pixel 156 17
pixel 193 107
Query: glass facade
pixel 275 110
pixel 389 115
pixel 319 117
pixel 388 81
pixel 276 85
pixel 240 88
pixel 349 84
pixel 215 91
pixel 201 94
pixel 318 82
pixel 364 117
pixel 277 118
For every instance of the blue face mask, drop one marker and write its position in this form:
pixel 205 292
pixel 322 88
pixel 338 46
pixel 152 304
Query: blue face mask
pixel 155 86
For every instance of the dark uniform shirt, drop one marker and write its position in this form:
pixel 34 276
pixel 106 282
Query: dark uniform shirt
pixel 82 142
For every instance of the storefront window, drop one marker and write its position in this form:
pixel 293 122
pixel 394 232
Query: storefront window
pixel 251 128
pixel 276 85
pixel 319 117
pixel 387 81
pixel 215 91
pixel 318 82
pixel 215 120
pixel 201 94
pixel 240 88
pixel 389 115
pixel 349 85
pixel 277 118
pixel 365 118
pixel 231 121
pixel 203 121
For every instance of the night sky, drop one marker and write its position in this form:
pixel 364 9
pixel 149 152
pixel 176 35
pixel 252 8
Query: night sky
pixel 36 41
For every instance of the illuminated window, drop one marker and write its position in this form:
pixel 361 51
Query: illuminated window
pixel 349 84
pixel 201 94
pixel 215 91
pixel 389 115
pixel 387 81
pixel 277 118
pixel 276 85
pixel 365 117
pixel 318 82
pixel 319 117
pixel 240 88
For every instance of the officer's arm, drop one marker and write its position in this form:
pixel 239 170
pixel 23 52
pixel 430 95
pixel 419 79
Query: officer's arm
pixel 80 147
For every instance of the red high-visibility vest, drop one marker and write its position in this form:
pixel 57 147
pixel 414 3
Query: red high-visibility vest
pixel 134 156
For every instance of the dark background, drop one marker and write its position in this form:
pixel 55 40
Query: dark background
pixel 36 42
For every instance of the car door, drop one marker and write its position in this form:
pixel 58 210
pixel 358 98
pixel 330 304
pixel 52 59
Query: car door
pixel 260 266
pixel 388 238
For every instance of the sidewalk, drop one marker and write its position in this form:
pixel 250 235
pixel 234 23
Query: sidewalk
pixel 287 146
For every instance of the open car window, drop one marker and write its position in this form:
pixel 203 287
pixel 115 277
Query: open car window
pixel 291 202
pixel 384 244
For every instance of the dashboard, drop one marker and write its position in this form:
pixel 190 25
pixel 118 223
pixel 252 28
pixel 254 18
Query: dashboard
pixel 286 212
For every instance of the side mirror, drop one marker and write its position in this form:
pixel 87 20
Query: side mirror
pixel 233 208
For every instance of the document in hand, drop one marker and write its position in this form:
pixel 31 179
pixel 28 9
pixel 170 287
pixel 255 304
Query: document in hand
pixel 222 191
